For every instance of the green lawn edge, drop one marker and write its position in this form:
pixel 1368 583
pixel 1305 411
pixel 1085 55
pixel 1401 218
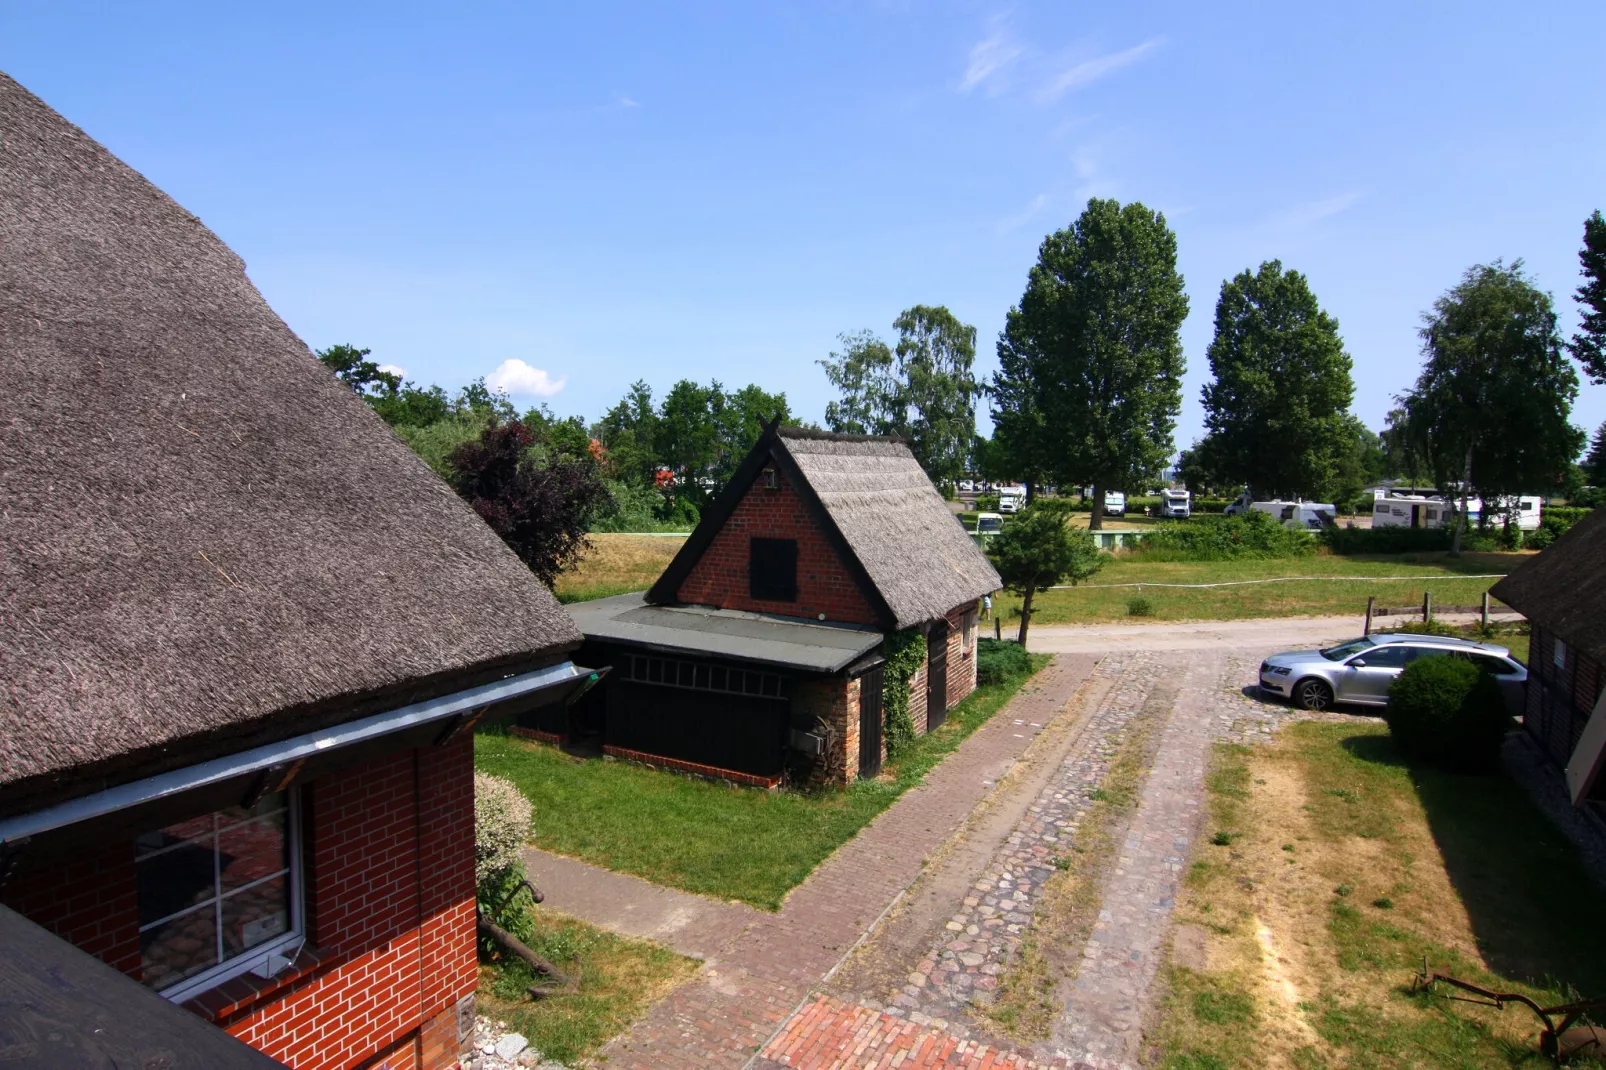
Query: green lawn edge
pixel 730 843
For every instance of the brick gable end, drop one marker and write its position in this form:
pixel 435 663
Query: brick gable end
pixel 824 583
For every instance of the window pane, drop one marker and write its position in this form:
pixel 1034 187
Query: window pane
pixel 255 915
pixel 687 674
pixel 166 837
pixel 174 880
pixel 273 802
pixel 252 851
pixel 718 678
pixel 180 947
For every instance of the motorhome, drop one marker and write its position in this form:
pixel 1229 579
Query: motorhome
pixel 1115 503
pixel 1300 514
pixel 1011 499
pixel 1418 511
pixel 1175 504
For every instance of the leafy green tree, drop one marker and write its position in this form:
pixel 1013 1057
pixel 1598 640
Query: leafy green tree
pixel 1091 361
pixel 1277 410
pixel 1490 407
pixel 1589 344
pixel 352 367
pixel 936 354
pixel 1595 460
pixel 742 418
pixel 864 373
pixel 628 432
pixel 923 389
pixel 1039 549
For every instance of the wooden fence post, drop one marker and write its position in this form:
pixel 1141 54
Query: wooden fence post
pixel 1427 606
pixel 998 627
pixel 1371 600
pixel 1485 610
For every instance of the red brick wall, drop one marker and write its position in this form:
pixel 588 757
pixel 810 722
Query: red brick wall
pixel 389 898
pixel 824 584
pixel 836 701
pixel 961 653
pixel 91 902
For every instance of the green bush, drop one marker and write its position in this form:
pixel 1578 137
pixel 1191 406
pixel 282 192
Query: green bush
pixel 1139 607
pixel 1342 540
pixel 999 659
pixel 1564 515
pixel 1222 538
pixel 987 503
pixel 1447 711
pixel 1427 627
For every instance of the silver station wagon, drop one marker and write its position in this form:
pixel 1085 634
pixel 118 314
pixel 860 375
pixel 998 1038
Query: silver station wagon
pixel 1361 670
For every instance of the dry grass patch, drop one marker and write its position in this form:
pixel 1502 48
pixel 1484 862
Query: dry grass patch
pixel 1330 869
pixel 616 564
pixel 620 979
pixel 1026 1004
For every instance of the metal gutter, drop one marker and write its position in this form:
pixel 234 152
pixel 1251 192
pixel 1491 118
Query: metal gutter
pixel 289 751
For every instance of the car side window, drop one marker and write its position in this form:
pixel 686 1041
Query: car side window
pixel 1389 656
pixel 1497 666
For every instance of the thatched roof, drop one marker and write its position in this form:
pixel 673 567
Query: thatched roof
pixel 206 541
pixel 875 500
pixel 1564 588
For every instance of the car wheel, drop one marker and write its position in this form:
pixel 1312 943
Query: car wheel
pixel 1313 694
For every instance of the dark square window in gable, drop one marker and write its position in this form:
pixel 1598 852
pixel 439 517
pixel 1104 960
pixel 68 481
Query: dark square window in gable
pixel 772 569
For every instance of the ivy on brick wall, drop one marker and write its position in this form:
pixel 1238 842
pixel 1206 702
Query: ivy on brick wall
pixel 906 652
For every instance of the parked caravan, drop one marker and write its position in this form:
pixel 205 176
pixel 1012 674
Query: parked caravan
pixel 1298 513
pixel 1175 504
pixel 1115 503
pixel 1011 499
pixel 1416 511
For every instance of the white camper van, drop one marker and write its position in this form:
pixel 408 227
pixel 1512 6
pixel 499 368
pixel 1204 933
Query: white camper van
pixel 1175 504
pixel 1011 499
pixel 1417 511
pixel 1114 503
pixel 1297 514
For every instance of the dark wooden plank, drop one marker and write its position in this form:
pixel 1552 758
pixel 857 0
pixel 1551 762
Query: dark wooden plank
pixel 60 1007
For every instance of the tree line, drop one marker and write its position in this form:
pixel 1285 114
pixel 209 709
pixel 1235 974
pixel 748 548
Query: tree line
pixel 542 481
pixel 1090 368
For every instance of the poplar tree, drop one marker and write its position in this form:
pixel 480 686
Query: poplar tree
pixel 1091 364
pixel 1589 344
pixel 1277 411
pixel 1490 407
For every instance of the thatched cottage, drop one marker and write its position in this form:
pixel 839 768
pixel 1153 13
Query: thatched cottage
pixel 1562 592
pixel 245 635
pixel 762 647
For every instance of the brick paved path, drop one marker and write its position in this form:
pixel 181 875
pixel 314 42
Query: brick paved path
pixel 743 995
pixel 830 1033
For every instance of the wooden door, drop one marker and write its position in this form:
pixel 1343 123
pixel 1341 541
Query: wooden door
pixel 936 675
pixel 870 686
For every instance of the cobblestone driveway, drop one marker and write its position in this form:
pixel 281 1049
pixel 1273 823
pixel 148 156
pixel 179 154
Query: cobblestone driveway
pixel 1200 697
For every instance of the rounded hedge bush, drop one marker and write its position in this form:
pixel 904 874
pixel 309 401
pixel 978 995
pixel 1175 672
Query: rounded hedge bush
pixel 998 659
pixel 1447 711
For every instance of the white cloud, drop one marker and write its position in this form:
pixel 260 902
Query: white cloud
pixel 627 101
pixel 1021 218
pixel 1091 70
pixel 394 369
pixel 1301 216
pixel 987 58
pixel 517 379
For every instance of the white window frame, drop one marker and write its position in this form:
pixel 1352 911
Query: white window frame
pixel 265 959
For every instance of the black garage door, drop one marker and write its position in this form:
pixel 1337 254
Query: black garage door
pixel 722 716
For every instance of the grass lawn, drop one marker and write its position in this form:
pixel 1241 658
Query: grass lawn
pixel 730 843
pixel 619 979
pixel 1435 572
pixel 1330 870
pixel 616 564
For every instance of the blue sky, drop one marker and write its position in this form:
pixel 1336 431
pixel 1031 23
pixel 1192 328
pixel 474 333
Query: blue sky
pixel 607 192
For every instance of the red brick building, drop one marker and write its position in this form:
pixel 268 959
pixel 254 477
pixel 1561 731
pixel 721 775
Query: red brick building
pixel 761 649
pixel 1562 592
pixel 247 635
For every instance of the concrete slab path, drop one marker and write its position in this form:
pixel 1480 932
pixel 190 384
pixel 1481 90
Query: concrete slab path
pixel 693 925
